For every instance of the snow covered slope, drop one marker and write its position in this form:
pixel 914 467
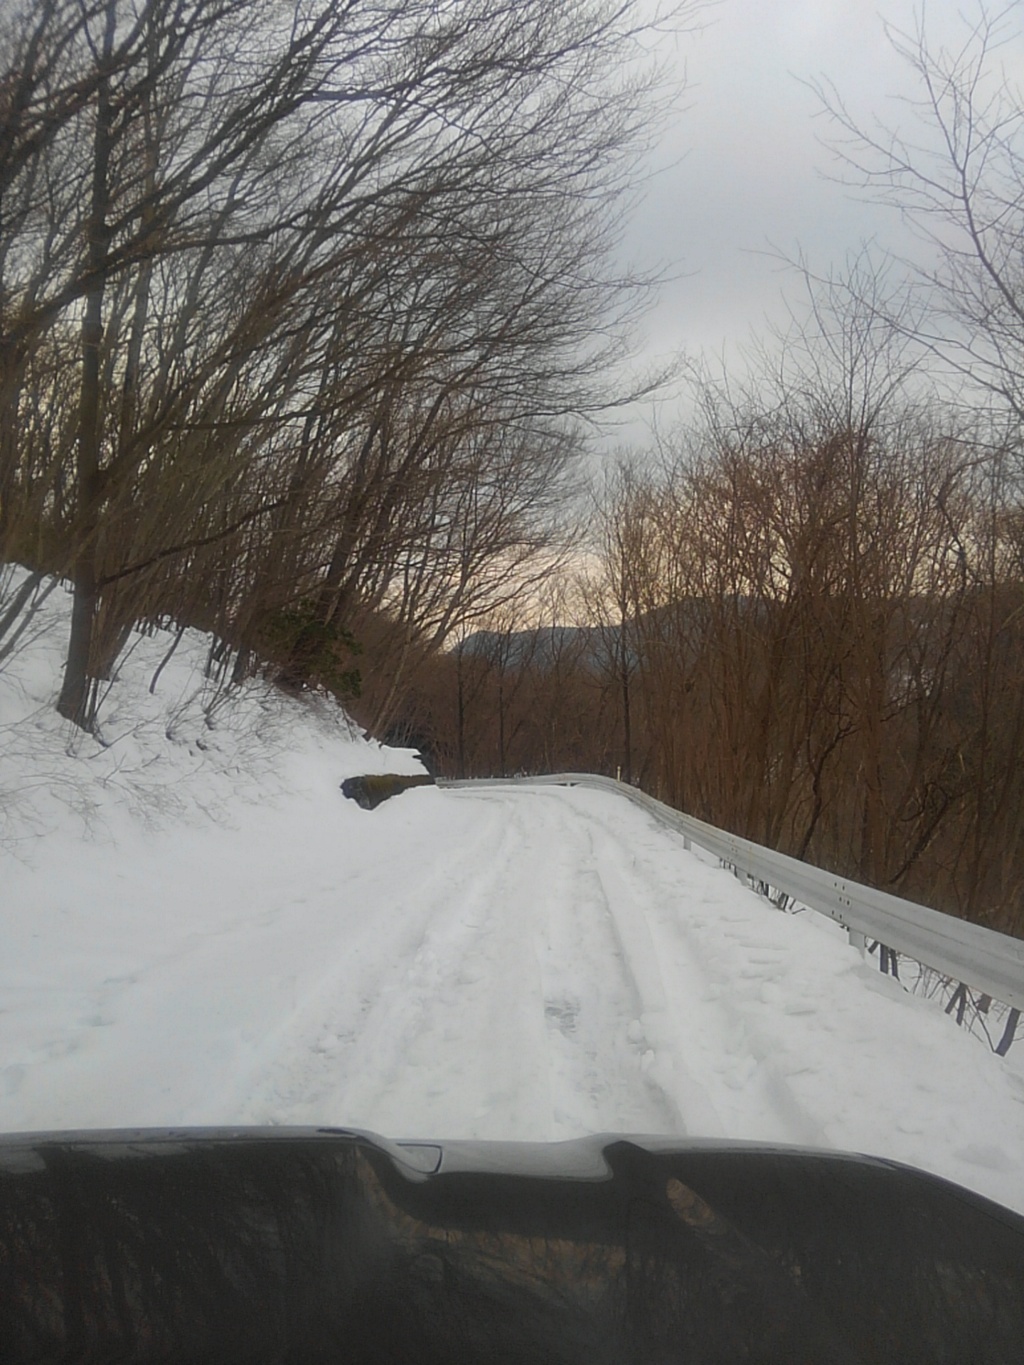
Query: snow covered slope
pixel 197 928
pixel 170 745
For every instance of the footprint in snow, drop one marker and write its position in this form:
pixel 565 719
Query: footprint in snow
pixel 562 1014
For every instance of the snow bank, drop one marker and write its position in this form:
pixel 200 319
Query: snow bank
pixel 170 746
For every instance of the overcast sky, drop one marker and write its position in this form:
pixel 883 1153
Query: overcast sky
pixel 744 167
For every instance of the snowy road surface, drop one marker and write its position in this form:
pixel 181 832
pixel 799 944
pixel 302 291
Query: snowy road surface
pixel 503 963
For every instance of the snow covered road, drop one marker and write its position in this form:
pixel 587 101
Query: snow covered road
pixel 521 963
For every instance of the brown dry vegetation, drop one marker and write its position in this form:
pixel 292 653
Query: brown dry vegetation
pixel 821 648
pixel 300 308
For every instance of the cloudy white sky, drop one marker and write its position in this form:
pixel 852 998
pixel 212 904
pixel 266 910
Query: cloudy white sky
pixel 743 165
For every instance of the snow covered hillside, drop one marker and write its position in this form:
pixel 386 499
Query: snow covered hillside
pixel 198 928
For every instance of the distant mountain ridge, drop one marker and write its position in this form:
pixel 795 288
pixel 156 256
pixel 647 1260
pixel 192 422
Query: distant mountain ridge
pixel 596 646
pixel 542 645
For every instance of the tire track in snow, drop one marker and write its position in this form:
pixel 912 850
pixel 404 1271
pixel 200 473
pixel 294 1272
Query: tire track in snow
pixel 593 999
pixel 540 983
pixel 543 1064
pixel 366 971
pixel 454 1039
pixel 712 1036
pixel 656 1030
pixel 599 1066
pixel 446 1037
pixel 514 1015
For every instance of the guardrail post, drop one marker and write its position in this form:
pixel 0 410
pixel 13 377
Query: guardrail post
pixel 958 1002
pixel 1009 1033
pixel 887 963
pixel 858 941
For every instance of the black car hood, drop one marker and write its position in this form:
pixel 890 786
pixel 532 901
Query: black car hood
pixel 317 1245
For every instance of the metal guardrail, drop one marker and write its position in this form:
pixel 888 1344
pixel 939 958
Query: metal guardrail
pixel 980 958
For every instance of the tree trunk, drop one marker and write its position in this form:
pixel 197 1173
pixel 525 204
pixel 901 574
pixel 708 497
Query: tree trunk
pixel 627 719
pixel 501 724
pixel 461 714
pixel 75 701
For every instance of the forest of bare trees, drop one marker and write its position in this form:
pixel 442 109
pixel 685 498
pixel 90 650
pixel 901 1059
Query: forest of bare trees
pixel 300 306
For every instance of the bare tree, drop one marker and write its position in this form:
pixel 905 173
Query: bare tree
pixel 954 169
pixel 341 282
